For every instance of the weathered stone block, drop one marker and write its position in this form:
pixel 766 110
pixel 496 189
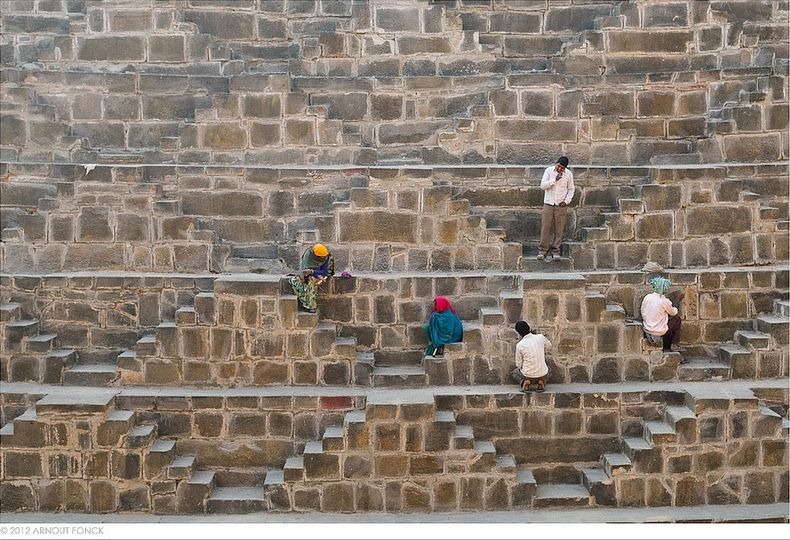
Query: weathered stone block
pixel 112 48
pixel 166 48
pixel 222 24
pixel 709 220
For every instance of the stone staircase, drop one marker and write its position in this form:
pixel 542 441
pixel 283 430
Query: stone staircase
pixel 361 466
pixel 28 354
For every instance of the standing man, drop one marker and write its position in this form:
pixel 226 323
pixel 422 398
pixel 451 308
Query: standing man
pixel 557 184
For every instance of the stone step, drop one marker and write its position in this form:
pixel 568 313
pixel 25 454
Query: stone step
pixel 594 475
pixel 505 463
pixel 241 476
pixel 90 374
pixel 547 495
pixel 98 356
pixel 10 312
pixel 160 454
pixel 393 358
pixel 632 446
pixel 55 362
pixel 400 376
pixel 306 320
pixel 552 264
pixel 293 471
pixel 490 316
pixel 7 435
pixel 18 329
pixel 39 343
pixel 592 234
pixel 206 307
pixel 181 468
pixel 75 403
pixel 782 308
pixel 236 500
pixel 334 439
pixel 363 368
pixel 774 325
pixel 23 431
pixel 524 489
pixel 274 488
pixel 463 438
pixel 141 436
pixel 345 347
pixel 674 414
pixel 600 485
pixel 715 398
pixel 186 316
pixel 484 447
pixel 444 420
pixel 114 427
pixel 742 361
pixel 769 213
pixel 203 478
pixel 752 339
pixel 146 346
pixel 658 432
pixel 613 312
pixel 615 463
pixel 127 360
pixel 703 369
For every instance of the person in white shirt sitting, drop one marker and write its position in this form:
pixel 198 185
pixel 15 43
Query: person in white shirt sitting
pixel 530 359
pixel 660 318
pixel 557 185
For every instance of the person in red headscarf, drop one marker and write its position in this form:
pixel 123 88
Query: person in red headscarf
pixel 444 326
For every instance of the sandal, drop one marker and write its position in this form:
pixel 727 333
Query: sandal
pixel 541 387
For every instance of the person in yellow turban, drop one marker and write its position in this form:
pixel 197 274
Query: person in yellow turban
pixel 316 266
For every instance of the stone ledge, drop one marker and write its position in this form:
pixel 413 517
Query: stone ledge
pixel 56 394
pixel 745 513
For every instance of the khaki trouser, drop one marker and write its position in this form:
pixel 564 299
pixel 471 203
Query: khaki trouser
pixel 552 217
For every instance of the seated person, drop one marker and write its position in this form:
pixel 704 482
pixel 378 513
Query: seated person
pixel 659 317
pixel 443 327
pixel 530 359
pixel 316 266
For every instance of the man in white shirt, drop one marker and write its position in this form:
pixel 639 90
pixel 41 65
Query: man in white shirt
pixel 557 185
pixel 530 358
pixel 659 317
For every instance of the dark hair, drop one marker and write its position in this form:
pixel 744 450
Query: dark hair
pixel 522 328
pixel 563 161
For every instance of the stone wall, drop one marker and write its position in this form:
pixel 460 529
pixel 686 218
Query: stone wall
pixel 365 82
pixel 213 219
pixel 247 330
pixel 394 453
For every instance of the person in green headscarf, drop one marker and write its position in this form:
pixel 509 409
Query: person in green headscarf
pixel 660 318
pixel 443 327
pixel 316 266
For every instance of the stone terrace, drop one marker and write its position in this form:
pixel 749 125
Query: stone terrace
pixel 372 82
pixel 164 164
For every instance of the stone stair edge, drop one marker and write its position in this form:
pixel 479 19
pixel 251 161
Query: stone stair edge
pixel 570 274
pixel 700 389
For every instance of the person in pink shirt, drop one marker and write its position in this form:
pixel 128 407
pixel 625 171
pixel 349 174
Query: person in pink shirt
pixel 660 318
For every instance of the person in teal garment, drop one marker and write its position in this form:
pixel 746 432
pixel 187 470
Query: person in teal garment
pixel 443 327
